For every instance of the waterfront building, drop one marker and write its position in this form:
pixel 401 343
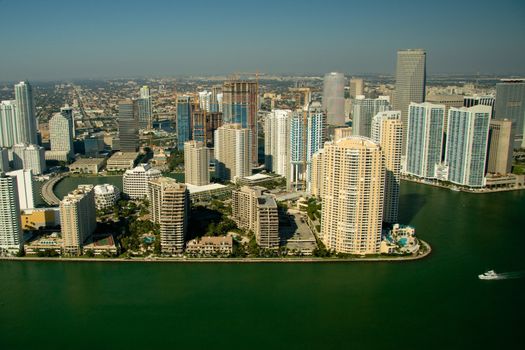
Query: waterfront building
pixel 10 225
pixel 128 127
pixel 363 110
pixel 135 181
pixel 184 120
pixel 357 87
pixel 77 218
pixel 353 193
pixel 501 139
pixel 9 124
pixel 24 184
pixel 240 106
pixel 4 159
pixel 29 157
pixel 466 148
pixel 510 104
pixel 341 133
pixel 455 101
pixel 169 207
pixel 210 246
pixel 233 158
pixel 277 141
pixel 424 139
pixel 106 196
pixel 145 112
pixel 25 111
pixel 196 163
pixel 410 83
pixel 60 134
pixel 334 98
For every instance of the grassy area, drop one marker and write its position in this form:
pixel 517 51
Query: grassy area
pixel 518 169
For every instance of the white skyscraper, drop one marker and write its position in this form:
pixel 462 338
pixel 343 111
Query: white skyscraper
pixel 9 125
pixel 334 98
pixel 29 157
pixel 24 182
pixel 60 134
pixel 363 110
pixel 26 113
pixel 277 141
pixel 233 156
pixel 10 225
pixel 135 181
pixel 467 141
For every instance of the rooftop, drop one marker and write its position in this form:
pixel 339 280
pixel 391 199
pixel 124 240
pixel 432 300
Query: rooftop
pixel 88 161
pixel 210 187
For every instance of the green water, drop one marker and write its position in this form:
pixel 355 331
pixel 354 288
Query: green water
pixel 70 183
pixel 435 303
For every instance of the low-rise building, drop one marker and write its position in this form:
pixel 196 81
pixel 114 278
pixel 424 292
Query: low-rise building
pixel 210 246
pixel 51 242
pixel 106 196
pixel 101 246
pixel 33 219
pixel 88 165
pixel 121 161
pixel 400 240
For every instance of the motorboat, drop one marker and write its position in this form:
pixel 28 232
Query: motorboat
pixel 489 275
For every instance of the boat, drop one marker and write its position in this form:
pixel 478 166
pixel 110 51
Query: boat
pixel 489 275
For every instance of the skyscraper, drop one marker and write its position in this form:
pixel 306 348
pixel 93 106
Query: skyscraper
pixel 447 100
pixel 26 113
pixel 356 87
pixel 410 83
pixel 277 141
pixel 184 116
pixel 128 128
pixel 145 112
pixel 501 139
pixel 233 159
pixel 510 104
pixel 196 163
pixel 29 157
pixel 60 134
pixel 363 110
pixel 240 106
pixel 67 112
pixel 10 225
pixel 352 214
pixel 9 125
pixel 466 149
pixel 169 203
pixel 77 218
pixel 24 185
pixel 334 98
pixel 4 159
pixel 424 139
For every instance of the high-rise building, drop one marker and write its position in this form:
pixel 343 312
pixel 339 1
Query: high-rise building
pixel 196 163
pixel 474 100
pixel 169 207
pixel 318 172
pixel 456 101
pixel 205 100
pixel 277 141
pixel 510 104
pixel 29 157
pixel 501 138
pixel 26 113
pixel 213 122
pixel 4 159
pixel 128 127
pixel 67 112
pixel 24 184
pixel 60 134
pixel 10 225
pixel 77 218
pixel 334 98
pixel 135 181
pixel 184 120
pixel 387 130
pixel 363 110
pixel 216 99
pixel 145 111
pixel 352 214
pixel 233 159
pixel 9 125
pixel 424 145
pixel 410 83
pixel 240 101
pixel 466 148
pixel 357 87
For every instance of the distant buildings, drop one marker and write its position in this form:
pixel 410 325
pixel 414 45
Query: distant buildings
pixel 9 124
pixel 510 104
pixel 353 193
pixel 277 141
pixel 77 219
pixel 61 134
pixel 128 127
pixel 120 161
pixel 363 110
pixel 87 165
pixel 25 111
pixel 357 87
pixel 106 196
pixel 455 101
pixel 145 111
pixel 233 156
pixel 316 188
pixel 334 98
pixel 10 225
pixel 501 139
pixel 135 181
pixel 196 163
pixel 29 157
pixel 24 184
pixel 184 116
pixel 169 203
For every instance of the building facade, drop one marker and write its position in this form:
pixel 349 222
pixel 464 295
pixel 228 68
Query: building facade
pixel 10 129
pixel 10 226
pixel 277 141
pixel 184 120
pixel 60 134
pixel 501 141
pixel 334 98
pixel 510 104
pixel 29 157
pixel 363 110
pixel 135 181
pixel 145 109
pixel 128 127
pixel 24 184
pixel 106 196
pixel 77 219
pixel 233 156
pixel 196 163
pixel 26 115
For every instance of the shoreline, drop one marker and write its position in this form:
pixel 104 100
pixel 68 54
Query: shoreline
pixel 464 190
pixel 309 260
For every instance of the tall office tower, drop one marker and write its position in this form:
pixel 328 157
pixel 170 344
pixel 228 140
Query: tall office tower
pixel 67 112
pixel 216 99
pixel 501 139
pixel 205 100
pixel 233 159
pixel 474 100
pixel 29 157
pixel 60 134
pixel 352 213
pixel 341 133
pixel 169 203
pixel 363 110
pixel 135 181
pixel 184 116
pixel 410 83
pixel 240 106
pixel 424 139
pixel 318 172
pixel 24 184
pixel 213 122
pixel 26 113
pixel 196 163
pixel 10 225
pixel 198 124
pixel 77 218
pixel 357 87
pixel 510 104
pixel 334 98
pixel 466 149
pixel 387 130
pixel 145 110
pixel 304 143
pixel 277 141
pixel 4 159
pixel 9 125
pixel 455 101
pixel 128 128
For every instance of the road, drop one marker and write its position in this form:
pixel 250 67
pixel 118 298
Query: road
pixel 47 190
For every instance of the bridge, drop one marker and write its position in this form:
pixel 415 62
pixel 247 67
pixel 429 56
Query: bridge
pixel 47 190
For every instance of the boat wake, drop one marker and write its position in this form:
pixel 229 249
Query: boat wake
pixel 511 275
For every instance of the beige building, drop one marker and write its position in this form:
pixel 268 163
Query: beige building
pixel 353 194
pixel 33 219
pixel 210 246
pixel 77 218
pixel 121 161
pixel 501 138
pixel 340 133
pixel 87 165
pixel 135 181
pixel 196 163
pixel 357 87
pixel 317 174
pixel 233 158
pixel 169 207
pixel 455 101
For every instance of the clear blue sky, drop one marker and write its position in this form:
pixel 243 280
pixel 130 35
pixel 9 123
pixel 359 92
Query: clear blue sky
pixel 56 39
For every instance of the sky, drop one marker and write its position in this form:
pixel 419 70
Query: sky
pixel 55 39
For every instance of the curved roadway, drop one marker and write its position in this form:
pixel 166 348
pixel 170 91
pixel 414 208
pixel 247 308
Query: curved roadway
pixel 47 190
